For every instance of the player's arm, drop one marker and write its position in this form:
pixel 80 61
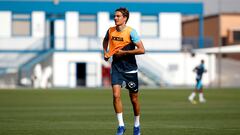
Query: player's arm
pixel 195 69
pixel 105 46
pixel 205 70
pixel 139 50
pixel 137 42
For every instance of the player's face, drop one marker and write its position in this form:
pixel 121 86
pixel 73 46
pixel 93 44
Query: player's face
pixel 119 19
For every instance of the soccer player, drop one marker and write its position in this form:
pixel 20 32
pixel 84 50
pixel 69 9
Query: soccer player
pixel 200 69
pixel 124 44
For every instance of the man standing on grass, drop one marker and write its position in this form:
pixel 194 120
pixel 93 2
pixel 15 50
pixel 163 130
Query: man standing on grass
pixel 200 69
pixel 124 44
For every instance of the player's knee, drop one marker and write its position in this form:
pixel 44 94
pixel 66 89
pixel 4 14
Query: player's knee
pixel 134 100
pixel 116 97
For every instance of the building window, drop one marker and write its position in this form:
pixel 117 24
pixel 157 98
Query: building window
pixel 149 26
pixel 87 25
pixel 21 25
pixel 236 36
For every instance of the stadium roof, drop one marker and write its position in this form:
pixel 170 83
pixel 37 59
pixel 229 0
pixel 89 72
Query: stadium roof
pixel 224 49
pixel 92 7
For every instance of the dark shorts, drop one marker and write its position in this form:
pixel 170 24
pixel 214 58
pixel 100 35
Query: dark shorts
pixel 127 80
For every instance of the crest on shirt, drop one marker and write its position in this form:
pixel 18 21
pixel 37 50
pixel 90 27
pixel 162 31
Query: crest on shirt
pixel 131 84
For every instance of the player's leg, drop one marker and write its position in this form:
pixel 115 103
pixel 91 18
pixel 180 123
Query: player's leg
pixel 117 103
pixel 201 96
pixel 132 86
pixel 136 109
pixel 200 91
pixel 193 94
pixel 131 80
pixel 135 103
pixel 117 79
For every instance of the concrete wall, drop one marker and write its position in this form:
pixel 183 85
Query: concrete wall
pixel 6 24
pixel 177 68
pixel 64 73
pixel 38 24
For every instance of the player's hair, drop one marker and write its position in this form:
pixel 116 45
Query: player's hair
pixel 124 11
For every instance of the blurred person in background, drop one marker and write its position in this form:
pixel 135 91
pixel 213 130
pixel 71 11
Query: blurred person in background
pixel 199 70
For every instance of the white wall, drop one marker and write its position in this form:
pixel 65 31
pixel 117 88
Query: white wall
pixel 72 24
pixel 72 75
pixel 170 25
pixel 59 32
pixel 80 43
pixel 178 67
pixel 21 43
pixel 5 24
pixel 134 21
pixel 158 44
pixel 103 23
pixel 92 71
pixel 38 24
pixel 169 34
pixel 63 69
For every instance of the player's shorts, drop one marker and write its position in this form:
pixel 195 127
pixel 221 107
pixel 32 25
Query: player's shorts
pixel 127 80
pixel 199 84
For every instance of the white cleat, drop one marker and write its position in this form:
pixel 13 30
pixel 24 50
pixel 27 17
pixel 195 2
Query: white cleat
pixel 202 101
pixel 192 101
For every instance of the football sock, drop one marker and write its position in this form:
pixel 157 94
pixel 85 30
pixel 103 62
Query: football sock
pixel 136 121
pixel 120 119
pixel 191 97
pixel 201 96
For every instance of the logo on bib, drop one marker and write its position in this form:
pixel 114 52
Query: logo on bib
pixel 117 38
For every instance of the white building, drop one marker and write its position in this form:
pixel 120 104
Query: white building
pixel 68 37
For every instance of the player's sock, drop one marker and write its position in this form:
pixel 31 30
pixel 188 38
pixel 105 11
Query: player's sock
pixel 201 98
pixel 120 119
pixel 136 121
pixel 191 97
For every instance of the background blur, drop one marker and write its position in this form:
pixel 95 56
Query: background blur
pixel 58 43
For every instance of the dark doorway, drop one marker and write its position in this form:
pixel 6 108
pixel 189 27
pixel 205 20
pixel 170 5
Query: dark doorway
pixel 52 34
pixel 81 74
pixel 51 18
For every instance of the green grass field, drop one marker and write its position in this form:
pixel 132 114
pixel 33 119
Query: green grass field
pixel 90 112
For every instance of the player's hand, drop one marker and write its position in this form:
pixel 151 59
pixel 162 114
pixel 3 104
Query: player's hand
pixel 105 57
pixel 120 53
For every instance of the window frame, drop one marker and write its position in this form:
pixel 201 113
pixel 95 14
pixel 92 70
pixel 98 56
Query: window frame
pixel 150 20
pixel 23 19
pixel 85 18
